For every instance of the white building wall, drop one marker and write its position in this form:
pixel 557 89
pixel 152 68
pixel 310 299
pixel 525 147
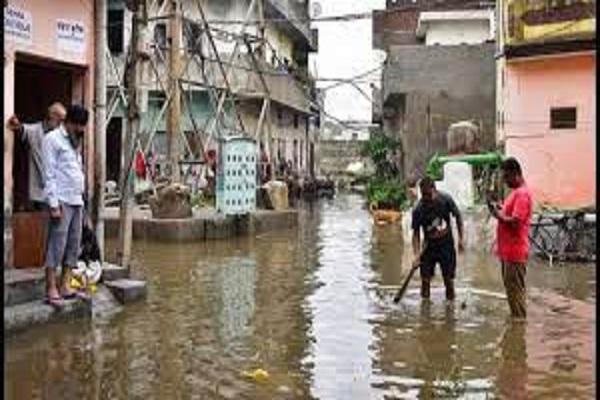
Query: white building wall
pixel 458 32
pixel 348 135
pixel 228 10
pixel 282 131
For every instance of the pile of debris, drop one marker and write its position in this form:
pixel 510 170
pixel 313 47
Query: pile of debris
pixel 172 201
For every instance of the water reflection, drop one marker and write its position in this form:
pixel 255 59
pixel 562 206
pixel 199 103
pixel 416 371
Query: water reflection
pixel 511 379
pixel 339 326
pixel 312 306
pixel 236 280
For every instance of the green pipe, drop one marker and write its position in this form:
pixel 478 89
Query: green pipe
pixel 437 162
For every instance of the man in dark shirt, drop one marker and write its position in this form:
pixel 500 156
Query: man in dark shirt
pixel 432 216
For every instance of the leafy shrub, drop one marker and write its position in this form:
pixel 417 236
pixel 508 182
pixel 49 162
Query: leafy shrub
pixel 387 193
pixel 385 189
pixel 379 148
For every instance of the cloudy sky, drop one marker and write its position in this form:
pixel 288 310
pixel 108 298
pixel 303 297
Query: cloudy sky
pixel 345 50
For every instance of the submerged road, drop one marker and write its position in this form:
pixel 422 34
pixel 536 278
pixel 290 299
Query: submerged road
pixel 312 307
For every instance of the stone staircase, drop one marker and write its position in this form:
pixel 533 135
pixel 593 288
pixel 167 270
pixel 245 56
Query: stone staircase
pixel 24 294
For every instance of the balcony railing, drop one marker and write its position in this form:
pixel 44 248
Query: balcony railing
pixel 541 21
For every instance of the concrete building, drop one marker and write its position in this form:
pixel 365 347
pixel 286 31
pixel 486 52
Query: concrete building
pixel 48 57
pixel 546 97
pixel 449 28
pixel 295 122
pixel 439 70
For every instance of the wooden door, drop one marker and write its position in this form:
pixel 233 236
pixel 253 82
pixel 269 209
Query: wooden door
pixel 30 236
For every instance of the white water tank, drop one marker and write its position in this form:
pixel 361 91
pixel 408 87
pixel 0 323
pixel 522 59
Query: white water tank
pixel 458 183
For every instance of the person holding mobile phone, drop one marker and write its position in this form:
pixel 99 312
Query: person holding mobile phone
pixel 512 240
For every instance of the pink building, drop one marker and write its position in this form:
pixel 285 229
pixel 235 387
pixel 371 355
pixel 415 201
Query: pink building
pixel 546 98
pixel 48 57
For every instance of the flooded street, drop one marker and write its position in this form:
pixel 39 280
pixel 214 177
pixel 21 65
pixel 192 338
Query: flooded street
pixel 313 307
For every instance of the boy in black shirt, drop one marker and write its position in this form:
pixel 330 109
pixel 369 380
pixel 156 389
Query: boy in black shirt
pixel 432 215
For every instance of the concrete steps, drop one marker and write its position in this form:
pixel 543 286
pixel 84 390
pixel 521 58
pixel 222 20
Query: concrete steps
pixel 24 297
pixel 111 272
pixel 23 316
pixel 24 305
pixel 127 290
pixel 23 286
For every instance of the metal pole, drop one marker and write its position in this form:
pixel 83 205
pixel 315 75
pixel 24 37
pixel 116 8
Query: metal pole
pixel 132 82
pixel 174 116
pixel 100 120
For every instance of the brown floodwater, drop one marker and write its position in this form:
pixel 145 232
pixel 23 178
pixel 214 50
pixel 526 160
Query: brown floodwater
pixel 312 307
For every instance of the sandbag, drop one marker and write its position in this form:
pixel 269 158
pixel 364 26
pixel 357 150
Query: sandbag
pixel 278 194
pixel 463 138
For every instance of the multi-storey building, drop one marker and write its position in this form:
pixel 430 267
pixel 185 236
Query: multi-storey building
pixel 546 96
pixel 439 70
pixel 283 60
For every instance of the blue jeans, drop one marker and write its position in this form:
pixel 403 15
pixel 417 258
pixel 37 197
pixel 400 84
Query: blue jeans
pixel 64 237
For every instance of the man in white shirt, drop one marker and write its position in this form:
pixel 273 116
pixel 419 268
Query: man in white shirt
pixel 65 185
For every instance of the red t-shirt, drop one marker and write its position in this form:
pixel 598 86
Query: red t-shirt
pixel 513 242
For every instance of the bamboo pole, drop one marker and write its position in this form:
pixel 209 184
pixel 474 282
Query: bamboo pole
pixel 100 121
pixel 174 112
pixel 132 82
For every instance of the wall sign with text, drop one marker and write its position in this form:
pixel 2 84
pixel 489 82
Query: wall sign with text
pixel 17 25
pixel 70 36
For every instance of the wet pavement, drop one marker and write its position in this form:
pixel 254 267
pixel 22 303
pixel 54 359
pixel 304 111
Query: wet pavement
pixel 312 306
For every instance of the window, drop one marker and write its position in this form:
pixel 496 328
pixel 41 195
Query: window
pixel 115 31
pixel 296 121
pixel 160 35
pixel 295 155
pixel 192 35
pixel 563 118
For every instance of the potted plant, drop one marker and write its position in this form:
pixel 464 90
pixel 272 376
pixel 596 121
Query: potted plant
pixel 386 192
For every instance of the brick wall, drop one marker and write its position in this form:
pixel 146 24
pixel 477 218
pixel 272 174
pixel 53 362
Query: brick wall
pixel 442 85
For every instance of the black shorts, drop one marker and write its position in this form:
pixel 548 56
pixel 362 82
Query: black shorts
pixel 443 254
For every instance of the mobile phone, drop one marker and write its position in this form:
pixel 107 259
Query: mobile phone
pixel 490 204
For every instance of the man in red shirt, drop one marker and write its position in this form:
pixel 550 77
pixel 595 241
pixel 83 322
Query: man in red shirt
pixel 514 219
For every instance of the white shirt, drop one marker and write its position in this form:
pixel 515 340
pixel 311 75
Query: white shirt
pixel 65 181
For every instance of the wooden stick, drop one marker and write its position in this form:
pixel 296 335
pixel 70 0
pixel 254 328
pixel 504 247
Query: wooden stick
pixel 414 267
pixel 402 289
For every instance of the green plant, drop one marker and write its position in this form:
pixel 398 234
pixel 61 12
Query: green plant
pixel 380 148
pixel 387 193
pixel 385 189
pixel 202 200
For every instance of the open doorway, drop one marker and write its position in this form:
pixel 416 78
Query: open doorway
pixel 36 87
pixel 311 160
pixel 37 84
pixel 114 137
